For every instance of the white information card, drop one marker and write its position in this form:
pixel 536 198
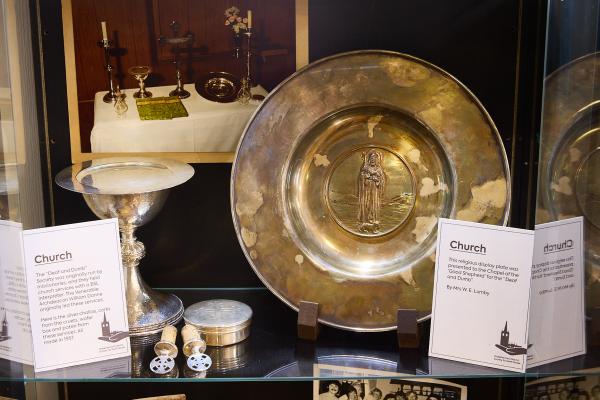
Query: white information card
pixel 492 307
pixel 480 305
pixel 76 294
pixel 557 322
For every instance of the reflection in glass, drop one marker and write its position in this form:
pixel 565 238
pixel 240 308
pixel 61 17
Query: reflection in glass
pixel 564 388
pixel 9 192
pixel 387 389
pixel 569 183
pixel 15 330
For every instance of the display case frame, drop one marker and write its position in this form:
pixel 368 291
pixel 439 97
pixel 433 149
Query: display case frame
pixel 221 271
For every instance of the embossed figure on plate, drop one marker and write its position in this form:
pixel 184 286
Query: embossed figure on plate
pixel 371 188
pixel 370 191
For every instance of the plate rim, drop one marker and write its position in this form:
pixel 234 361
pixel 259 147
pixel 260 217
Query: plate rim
pixel 66 178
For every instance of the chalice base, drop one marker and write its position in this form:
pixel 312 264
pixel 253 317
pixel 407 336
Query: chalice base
pixel 179 92
pixel 110 97
pixel 142 95
pixel 148 311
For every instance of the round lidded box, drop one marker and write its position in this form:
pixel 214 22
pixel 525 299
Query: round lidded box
pixel 222 322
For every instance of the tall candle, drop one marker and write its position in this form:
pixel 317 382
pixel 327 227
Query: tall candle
pixel 104 34
pixel 249 18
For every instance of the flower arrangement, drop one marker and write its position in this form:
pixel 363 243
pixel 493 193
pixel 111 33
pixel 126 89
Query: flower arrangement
pixel 234 20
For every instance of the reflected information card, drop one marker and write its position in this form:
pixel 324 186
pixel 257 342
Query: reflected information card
pixel 15 331
pixel 557 321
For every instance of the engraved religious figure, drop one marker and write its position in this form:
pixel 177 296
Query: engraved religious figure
pixel 371 189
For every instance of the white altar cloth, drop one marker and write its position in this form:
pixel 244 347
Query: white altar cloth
pixel 210 126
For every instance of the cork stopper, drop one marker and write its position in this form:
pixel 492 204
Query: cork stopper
pixel 166 346
pixel 169 334
pixel 190 332
pixel 192 341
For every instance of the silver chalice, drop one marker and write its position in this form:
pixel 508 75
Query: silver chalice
pixel 132 189
pixel 140 73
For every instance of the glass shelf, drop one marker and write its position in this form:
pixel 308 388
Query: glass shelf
pixel 272 352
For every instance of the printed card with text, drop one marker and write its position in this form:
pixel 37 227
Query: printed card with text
pixel 557 293
pixel 480 304
pixel 76 294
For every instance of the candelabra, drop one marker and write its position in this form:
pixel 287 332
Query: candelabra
pixel 245 94
pixel 111 96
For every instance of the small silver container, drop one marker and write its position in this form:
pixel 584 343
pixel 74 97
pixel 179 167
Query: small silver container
pixel 221 322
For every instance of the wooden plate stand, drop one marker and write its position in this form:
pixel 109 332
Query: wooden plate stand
pixel 408 330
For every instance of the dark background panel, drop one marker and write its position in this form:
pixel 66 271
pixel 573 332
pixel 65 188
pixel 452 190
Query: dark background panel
pixel 12 390
pixel 192 241
pixel 474 40
pixel 567 41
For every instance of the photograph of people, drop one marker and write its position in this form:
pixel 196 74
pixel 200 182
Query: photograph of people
pixel 332 389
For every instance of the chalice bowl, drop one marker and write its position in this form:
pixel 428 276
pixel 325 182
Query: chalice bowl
pixel 132 189
pixel 140 73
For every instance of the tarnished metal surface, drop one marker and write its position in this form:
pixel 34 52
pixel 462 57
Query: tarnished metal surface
pixel 342 173
pixel 569 178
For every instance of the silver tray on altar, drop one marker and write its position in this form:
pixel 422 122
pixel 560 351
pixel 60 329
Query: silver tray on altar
pixel 221 87
pixel 342 173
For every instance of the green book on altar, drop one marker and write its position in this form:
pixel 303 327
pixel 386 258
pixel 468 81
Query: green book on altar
pixel 160 108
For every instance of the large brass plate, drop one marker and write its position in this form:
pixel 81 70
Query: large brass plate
pixel 342 173
pixel 570 157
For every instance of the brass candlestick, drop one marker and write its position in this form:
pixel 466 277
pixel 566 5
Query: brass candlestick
pixel 245 95
pixel 111 96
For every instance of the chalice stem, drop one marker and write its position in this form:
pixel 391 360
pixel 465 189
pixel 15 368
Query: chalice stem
pixel 179 85
pixel 143 303
pixel 132 250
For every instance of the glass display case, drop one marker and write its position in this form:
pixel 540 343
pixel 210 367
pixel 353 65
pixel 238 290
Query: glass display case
pixel 567 178
pixel 503 80
pixel 21 189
